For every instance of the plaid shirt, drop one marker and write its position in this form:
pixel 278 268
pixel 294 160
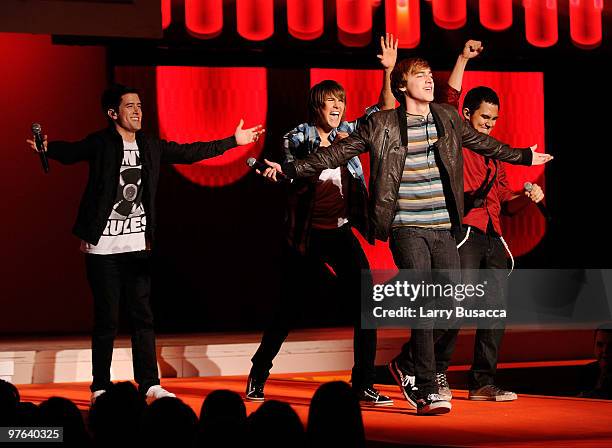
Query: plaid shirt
pixel 299 143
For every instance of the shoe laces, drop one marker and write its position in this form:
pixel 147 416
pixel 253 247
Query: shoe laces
pixel 496 389
pixel 441 381
pixel 434 397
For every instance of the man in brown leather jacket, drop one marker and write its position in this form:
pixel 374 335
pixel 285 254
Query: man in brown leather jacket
pixel 416 197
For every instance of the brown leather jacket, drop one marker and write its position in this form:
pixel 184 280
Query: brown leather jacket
pixel 385 137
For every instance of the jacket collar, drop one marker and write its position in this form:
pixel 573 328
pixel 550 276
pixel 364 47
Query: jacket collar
pixel 435 112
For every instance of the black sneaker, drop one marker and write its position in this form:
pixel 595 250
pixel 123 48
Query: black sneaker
pixel 443 387
pixel 491 393
pixel 433 404
pixel 255 389
pixel 371 397
pixel 405 383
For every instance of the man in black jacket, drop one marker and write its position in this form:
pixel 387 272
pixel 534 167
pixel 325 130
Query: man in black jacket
pixel 116 225
pixel 416 197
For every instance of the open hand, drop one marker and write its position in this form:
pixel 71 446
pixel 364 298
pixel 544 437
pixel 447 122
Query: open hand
pixel 388 47
pixel 246 136
pixel 539 158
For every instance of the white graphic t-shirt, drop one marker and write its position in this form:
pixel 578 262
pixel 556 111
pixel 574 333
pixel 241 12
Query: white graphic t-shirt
pixel 125 227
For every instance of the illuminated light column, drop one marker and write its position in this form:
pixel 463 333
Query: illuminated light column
pixel 305 18
pixel 204 18
pixel 495 15
pixel 403 21
pixel 255 18
pixel 585 22
pixel 354 19
pixel 166 13
pixel 449 14
pixel 541 22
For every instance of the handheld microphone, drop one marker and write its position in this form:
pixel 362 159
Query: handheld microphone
pixel 40 146
pixel 528 187
pixel 257 165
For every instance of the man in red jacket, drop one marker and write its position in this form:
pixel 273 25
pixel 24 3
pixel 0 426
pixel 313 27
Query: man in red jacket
pixel 481 245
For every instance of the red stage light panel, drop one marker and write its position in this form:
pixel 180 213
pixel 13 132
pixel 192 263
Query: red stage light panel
pixel 541 22
pixel 403 20
pixel 449 14
pixel 585 22
pixel 521 124
pixel 255 19
pixel 495 15
pixel 204 18
pixel 166 12
pixel 305 18
pixel 354 20
pixel 202 104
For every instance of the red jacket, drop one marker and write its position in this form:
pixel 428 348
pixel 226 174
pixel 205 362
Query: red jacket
pixel 475 175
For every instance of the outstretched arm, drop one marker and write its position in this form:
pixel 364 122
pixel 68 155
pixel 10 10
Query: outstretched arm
pixel 194 152
pixel 66 153
pixel 338 154
pixel 388 58
pixel 490 147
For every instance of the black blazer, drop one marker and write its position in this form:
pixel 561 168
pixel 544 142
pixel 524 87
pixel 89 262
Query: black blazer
pixel 103 150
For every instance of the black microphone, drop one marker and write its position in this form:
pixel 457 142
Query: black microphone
pixel 528 187
pixel 38 139
pixel 257 165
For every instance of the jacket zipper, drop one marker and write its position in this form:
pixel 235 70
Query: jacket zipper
pixel 385 138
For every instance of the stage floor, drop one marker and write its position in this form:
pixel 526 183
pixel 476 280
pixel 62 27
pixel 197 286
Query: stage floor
pixel 531 421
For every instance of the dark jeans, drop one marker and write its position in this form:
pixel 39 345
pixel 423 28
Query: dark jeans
pixel 341 250
pixel 110 277
pixel 423 250
pixel 480 251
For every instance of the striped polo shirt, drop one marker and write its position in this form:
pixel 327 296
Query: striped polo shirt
pixel 421 201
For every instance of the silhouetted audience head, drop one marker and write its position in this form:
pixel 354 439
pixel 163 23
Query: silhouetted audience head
pixel 168 422
pixel 9 401
pixel 115 416
pixel 222 419
pixel 603 345
pixel 596 377
pixel 61 412
pixel 335 418
pixel 275 424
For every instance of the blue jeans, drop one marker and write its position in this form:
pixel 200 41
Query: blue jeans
pixel 423 250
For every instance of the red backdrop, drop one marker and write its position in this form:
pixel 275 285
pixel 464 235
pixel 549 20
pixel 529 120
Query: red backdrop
pixel 43 286
pixel 201 104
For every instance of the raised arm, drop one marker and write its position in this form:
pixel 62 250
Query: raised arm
pixel 450 92
pixel 388 58
pixel 471 49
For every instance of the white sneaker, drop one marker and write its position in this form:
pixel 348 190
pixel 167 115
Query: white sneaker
pixel 95 395
pixel 156 392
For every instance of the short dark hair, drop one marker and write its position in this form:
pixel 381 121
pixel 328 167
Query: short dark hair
pixel 111 98
pixel 476 96
pixel 405 67
pixel 319 93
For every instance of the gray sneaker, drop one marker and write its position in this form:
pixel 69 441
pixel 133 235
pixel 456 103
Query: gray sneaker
pixel 491 392
pixel 443 387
